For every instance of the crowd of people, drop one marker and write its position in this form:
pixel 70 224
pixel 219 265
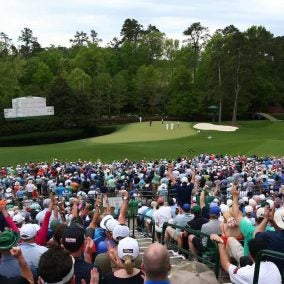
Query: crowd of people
pixel 58 223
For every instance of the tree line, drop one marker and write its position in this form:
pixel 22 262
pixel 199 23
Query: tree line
pixel 144 73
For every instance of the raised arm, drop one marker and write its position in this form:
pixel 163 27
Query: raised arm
pixel 235 206
pixel 202 198
pixel 123 210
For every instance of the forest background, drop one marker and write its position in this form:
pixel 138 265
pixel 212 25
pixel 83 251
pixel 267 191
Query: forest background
pixel 228 75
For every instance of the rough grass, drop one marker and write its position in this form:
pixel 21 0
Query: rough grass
pixel 136 142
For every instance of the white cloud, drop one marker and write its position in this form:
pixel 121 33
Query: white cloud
pixel 56 21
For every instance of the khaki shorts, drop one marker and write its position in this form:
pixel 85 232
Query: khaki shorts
pixel 235 249
pixel 172 233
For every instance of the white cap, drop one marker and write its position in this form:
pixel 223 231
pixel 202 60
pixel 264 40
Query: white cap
pixel 279 218
pixel 245 199
pixel 184 179
pixel 128 246
pixel 224 208
pixel 260 212
pixel 120 232
pixel 110 224
pixel 229 202
pixel 28 231
pixel 248 209
pixel 270 202
pixel 18 218
pixel 262 197
pixel 252 202
pixel 104 220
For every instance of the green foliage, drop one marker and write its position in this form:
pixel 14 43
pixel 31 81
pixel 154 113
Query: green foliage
pixel 144 72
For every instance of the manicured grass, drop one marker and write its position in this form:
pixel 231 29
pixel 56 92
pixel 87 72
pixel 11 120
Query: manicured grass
pixel 262 138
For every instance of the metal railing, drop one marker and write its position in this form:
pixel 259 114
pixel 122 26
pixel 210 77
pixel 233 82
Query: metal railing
pixel 210 255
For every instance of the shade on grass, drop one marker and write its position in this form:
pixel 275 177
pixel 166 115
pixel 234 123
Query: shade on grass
pixel 262 138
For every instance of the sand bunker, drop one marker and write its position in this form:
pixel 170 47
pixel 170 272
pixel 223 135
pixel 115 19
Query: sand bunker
pixel 210 126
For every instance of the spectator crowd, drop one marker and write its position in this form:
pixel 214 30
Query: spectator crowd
pixel 67 222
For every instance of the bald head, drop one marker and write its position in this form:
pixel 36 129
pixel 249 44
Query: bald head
pixel 156 262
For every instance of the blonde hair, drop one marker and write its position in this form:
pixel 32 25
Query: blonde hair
pixel 128 265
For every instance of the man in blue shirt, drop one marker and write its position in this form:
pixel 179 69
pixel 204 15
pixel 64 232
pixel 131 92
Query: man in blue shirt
pixel 156 264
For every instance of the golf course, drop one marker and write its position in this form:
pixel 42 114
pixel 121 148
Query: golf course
pixel 137 141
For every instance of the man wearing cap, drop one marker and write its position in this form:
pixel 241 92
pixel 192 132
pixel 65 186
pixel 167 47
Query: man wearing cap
pixel 185 189
pixel 73 240
pixel 12 261
pixel 31 251
pixel 9 266
pixel 180 220
pixel 212 227
pixel 195 224
pixel 56 266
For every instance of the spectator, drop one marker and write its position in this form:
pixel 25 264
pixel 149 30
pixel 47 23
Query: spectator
pixel 73 240
pixel 268 272
pixel 57 266
pixel 30 250
pixel 128 251
pixel 156 264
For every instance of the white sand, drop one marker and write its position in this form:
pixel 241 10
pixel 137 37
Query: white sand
pixel 210 126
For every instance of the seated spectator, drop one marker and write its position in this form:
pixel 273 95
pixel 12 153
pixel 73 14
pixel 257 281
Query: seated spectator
pixel 196 244
pixel 162 215
pixel 180 220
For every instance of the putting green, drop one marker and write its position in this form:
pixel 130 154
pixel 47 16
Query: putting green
pixel 135 132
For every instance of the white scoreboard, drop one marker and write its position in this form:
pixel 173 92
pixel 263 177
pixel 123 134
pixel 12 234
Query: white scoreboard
pixel 26 107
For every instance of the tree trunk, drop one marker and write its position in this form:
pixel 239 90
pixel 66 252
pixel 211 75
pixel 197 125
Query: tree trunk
pixel 220 91
pixel 237 90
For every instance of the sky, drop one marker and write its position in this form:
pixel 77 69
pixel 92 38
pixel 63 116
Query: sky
pixel 56 21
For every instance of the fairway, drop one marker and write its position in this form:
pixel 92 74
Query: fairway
pixel 137 142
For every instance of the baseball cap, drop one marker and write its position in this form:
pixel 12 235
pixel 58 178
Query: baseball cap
pixel 248 209
pixel 224 208
pixel 229 202
pixel 186 207
pixel 252 202
pixel 104 220
pixel 260 212
pixel 18 218
pixel 184 179
pixel 279 218
pixel 73 237
pixel 215 210
pixel 262 197
pixel 8 239
pixel 28 231
pixel 128 246
pixel 270 202
pixel 110 224
pixel 196 209
pixel 120 231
